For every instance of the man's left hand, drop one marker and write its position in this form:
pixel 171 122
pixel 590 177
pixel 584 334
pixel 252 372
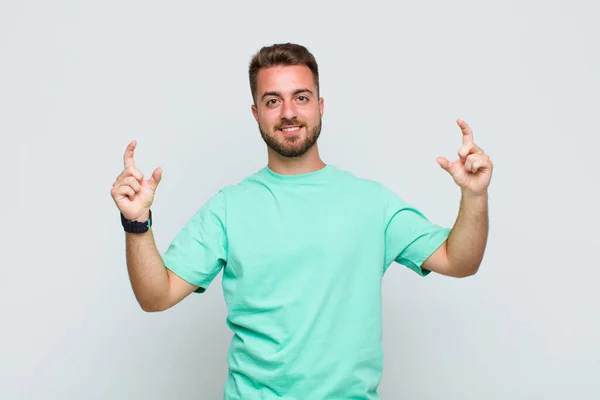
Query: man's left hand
pixel 473 169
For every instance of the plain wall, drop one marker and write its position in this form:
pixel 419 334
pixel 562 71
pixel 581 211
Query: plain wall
pixel 79 80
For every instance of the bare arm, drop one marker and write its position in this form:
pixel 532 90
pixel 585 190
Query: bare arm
pixel 468 238
pixel 461 255
pixel 156 288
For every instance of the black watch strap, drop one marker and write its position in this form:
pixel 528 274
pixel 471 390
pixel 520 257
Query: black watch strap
pixel 133 226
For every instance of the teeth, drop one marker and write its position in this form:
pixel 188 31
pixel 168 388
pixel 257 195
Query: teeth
pixel 290 129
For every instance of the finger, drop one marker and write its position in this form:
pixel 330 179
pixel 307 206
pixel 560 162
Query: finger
pixel 484 164
pixel 469 162
pixel 132 182
pixel 124 191
pixel 467 136
pixel 155 179
pixel 476 162
pixel 128 156
pixel 468 148
pixel 131 171
pixel 445 164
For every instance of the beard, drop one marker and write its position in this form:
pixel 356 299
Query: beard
pixel 293 146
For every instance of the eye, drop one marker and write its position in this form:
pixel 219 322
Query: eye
pixel 271 102
pixel 303 98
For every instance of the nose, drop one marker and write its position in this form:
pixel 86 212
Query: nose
pixel 288 110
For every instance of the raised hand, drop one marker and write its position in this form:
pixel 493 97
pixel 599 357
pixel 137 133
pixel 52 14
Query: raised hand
pixel 473 169
pixel 132 194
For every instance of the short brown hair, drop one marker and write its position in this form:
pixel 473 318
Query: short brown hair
pixel 282 54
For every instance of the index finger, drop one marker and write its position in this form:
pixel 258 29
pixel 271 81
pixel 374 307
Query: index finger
pixel 128 156
pixel 467 136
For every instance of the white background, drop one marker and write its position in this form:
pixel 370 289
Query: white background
pixel 79 80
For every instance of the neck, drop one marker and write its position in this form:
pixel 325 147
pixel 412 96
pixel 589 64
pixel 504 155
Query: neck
pixel 306 163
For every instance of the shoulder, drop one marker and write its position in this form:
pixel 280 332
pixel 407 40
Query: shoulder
pixel 243 186
pixel 369 186
pixel 355 179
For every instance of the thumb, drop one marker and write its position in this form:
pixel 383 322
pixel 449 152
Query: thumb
pixel 445 164
pixel 155 179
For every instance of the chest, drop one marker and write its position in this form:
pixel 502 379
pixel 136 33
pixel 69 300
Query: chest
pixel 280 246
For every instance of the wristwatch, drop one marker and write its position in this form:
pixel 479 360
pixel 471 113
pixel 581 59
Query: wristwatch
pixel 133 226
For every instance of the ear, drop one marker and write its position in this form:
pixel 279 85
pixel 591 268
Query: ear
pixel 322 106
pixel 255 112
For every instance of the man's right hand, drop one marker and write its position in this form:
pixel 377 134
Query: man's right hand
pixel 131 193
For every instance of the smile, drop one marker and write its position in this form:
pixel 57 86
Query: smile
pixel 290 129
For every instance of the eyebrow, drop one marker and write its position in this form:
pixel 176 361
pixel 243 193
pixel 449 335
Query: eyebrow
pixel 278 94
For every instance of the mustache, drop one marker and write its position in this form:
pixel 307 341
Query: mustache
pixel 288 122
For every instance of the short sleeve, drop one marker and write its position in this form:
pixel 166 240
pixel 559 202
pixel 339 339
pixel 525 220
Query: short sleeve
pixel 410 238
pixel 199 251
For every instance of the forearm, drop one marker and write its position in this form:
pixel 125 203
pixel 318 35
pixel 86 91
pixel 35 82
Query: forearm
pixel 468 238
pixel 147 272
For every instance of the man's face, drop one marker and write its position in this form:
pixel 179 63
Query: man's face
pixel 287 109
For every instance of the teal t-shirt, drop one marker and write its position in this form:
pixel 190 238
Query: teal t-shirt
pixel 303 257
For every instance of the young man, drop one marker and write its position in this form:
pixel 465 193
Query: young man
pixel 303 247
